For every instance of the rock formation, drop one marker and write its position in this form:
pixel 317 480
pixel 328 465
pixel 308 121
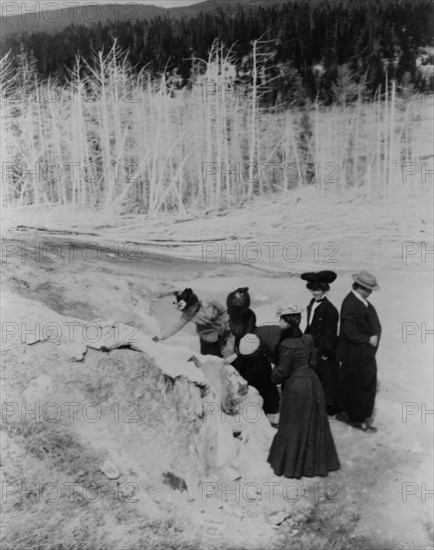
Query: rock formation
pixel 95 403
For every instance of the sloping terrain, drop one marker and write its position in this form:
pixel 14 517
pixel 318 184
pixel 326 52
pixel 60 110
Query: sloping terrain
pixel 129 443
pixel 152 444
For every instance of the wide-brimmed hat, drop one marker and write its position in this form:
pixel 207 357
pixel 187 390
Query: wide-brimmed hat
pixel 366 280
pixel 249 344
pixel 288 309
pixel 319 277
pixel 186 298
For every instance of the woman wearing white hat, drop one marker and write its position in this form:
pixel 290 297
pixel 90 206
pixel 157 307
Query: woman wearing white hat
pixel 251 362
pixel 303 444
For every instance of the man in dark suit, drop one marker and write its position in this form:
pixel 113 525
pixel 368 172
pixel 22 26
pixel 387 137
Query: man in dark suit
pixel 322 324
pixel 359 337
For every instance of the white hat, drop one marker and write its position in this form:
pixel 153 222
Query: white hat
pixel 249 344
pixel 288 309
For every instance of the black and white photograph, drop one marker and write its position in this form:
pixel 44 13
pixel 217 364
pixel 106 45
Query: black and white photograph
pixel 217 260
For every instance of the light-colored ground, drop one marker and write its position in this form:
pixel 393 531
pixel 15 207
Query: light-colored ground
pixel 385 477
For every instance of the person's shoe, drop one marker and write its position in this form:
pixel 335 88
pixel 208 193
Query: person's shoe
pixel 363 426
pixel 332 410
pixel 371 429
pixel 343 417
pixel 369 424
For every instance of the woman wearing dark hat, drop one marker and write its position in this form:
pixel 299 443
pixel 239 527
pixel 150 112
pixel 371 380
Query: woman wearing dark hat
pixel 303 444
pixel 207 314
pixel 242 349
pixel 322 324
pixel 240 320
pixel 359 337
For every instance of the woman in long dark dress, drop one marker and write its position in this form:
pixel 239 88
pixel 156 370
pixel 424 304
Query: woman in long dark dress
pixel 322 324
pixel 303 444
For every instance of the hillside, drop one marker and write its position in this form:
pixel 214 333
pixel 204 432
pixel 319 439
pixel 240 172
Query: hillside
pixel 53 21
pixel 16 21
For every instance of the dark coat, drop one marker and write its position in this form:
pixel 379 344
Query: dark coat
pixel 238 323
pixel 241 322
pixel 269 335
pixel 324 331
pixel 303 444
pixel 256 370
pixel 358 371
pixel 324 327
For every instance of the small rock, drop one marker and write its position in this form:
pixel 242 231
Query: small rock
pixel 73 350
pixel 174 481
pixel 277 518
pixel 110 470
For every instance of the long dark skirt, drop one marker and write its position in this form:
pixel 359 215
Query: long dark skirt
pixel 256 370
pixel 357 390
pixel 303 444
pixel 328 374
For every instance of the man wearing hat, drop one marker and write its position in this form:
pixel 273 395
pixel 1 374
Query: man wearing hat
pixel 322 324
pixel 359 337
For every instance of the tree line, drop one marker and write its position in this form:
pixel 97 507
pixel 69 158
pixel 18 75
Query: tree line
pixel 312 51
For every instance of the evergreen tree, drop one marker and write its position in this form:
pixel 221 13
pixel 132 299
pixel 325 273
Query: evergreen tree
pixel 311 40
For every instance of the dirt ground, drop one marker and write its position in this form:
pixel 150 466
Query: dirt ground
pixel 386 478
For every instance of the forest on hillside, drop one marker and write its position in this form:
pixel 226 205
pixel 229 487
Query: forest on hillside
pixel 312 50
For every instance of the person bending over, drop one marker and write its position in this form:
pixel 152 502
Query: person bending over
pixel 207 314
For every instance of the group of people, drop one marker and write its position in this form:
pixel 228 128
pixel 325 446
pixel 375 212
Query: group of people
pixel 320 372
